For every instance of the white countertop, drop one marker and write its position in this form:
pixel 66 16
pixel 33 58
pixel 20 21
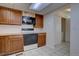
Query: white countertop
pixel 4 34
pixel 23 32
pixel 30 32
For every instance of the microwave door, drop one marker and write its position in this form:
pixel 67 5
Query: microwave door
pixel 24 21
pixel 28 20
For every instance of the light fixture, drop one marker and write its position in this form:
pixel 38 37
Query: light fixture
pixel 38 6
pixel 68 9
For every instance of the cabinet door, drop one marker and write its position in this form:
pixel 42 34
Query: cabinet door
pixel 41 39
pixel 16 17
pixel 39 21
pixel 16 43
pixel 4 45
pixel 4 15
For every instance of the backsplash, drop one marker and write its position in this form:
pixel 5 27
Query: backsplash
pixel 10 29
pixel 39 30
pixel 27 26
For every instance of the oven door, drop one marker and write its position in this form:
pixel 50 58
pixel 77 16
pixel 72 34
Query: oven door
pixel 30 39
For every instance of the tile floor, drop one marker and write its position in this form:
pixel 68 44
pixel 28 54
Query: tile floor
pixel 59 50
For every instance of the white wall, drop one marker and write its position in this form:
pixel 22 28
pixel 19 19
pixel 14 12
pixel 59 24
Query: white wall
pixel 49 27
pixel 52 23
pixel 74 34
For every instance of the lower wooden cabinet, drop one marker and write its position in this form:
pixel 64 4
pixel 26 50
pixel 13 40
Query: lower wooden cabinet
pixel 41 39
pixel 4 45
pixel 16 43
pixel 11 44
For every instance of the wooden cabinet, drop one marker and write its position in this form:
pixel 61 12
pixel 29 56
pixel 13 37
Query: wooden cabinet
pixel 15 17
pixel 16 43
pixel 4 15
pixel 11 44
pixel 10 16
pixel 39 21
pixel 4 45
pixel 41 39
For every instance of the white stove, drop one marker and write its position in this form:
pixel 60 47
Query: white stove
pixel 30 47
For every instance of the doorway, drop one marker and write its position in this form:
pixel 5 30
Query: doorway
pixel 65 29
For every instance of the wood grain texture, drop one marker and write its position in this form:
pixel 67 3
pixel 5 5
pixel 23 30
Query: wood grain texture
pixel 4 15
pixel 15 17
pixel 10 16
pixel 11 44
pixel 39 21
pixel 41 39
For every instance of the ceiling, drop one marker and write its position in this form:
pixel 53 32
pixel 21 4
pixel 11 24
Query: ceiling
pixel 25 7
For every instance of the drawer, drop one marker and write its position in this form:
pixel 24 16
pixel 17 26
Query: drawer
pixel 15 36
pixel 3 37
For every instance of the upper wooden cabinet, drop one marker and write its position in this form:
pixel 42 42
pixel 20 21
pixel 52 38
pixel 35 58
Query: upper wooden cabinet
pixel 4 15
pixel 10 16
pixel 15 17
pixel 39 21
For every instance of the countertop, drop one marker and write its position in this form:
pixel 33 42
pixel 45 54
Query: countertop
pixel 21 33
pixel 31 32
pixel 5 34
